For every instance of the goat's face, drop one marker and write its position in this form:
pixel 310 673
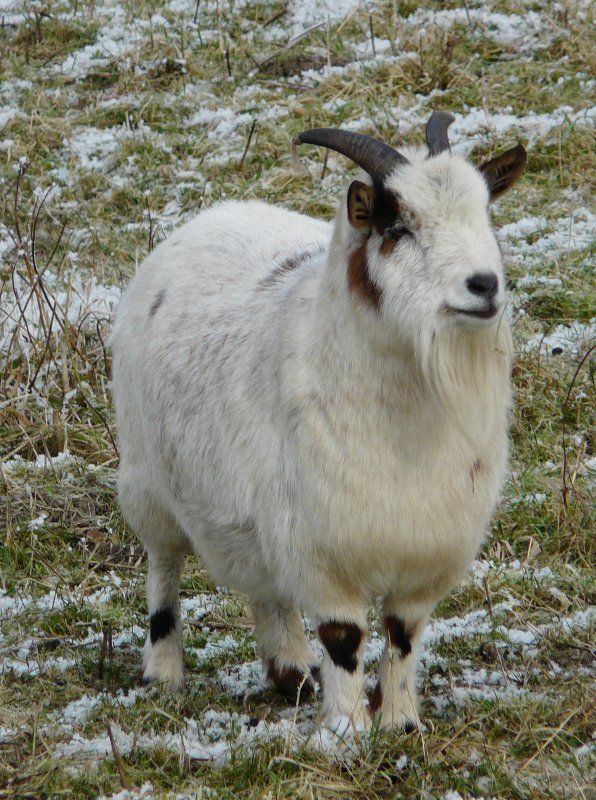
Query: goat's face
pixel 424 237
pixel 421 252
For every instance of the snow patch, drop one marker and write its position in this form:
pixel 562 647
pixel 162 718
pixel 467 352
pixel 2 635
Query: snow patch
pixel 7 114
pixel 303 14
pixel 572 338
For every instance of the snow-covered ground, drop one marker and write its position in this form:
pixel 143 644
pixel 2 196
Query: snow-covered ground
pixel 217 734
pixel 98 155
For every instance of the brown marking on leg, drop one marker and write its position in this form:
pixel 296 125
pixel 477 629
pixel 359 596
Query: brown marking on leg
pixel 359 280
pixel 376 700
pixel 289 682
pixel 341 640
pixel 399 636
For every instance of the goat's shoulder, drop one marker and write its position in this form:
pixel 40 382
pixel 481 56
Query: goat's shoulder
pixel 237 243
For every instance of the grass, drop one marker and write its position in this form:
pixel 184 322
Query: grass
pixel 97 164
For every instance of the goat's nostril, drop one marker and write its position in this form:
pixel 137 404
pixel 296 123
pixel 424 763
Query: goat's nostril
pixel 484 284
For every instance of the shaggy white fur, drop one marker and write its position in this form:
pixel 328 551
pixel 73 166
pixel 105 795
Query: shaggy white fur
pixel 319 437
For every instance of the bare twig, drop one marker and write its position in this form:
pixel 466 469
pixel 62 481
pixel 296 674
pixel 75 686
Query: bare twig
pixel 101 417
pixel 118 759
pixel 542 748
pixel 275 17
pixel 564 487
pixel 324 168
pixel 372 35
pixel 292 43
pixel 248 141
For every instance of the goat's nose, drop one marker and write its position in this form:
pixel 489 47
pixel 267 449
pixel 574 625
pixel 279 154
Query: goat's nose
pixel 484 284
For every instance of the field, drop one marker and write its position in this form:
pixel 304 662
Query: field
pixel 120 120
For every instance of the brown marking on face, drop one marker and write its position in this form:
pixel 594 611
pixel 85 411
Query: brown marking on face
pixel 386 211
pixel 289 682
pixel 372 206
pixel 398 635
pixel 359 280
pixel 475 470
pixel 341 640
pixel 387 245
pixel 376 701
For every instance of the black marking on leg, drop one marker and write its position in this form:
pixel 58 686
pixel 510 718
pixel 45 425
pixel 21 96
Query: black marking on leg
pixel 290 682
pixel 376 701
pixel 341 640
pixel 161 624
pixel 156 303
pixel 399 637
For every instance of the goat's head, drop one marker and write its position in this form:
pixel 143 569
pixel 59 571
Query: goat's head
pixel 416 230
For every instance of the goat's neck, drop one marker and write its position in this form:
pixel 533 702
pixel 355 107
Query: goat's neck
pixel 455 378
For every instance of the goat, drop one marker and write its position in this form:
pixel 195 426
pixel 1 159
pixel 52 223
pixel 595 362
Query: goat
pixel 321 411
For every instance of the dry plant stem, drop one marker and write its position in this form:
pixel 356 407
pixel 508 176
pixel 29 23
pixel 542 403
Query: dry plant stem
pixel 118 759
pixel 292 43
pixel 540 750
pixel 564 471
pixel 248 141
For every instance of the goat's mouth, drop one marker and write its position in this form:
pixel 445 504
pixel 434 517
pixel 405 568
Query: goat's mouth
pixel 487 313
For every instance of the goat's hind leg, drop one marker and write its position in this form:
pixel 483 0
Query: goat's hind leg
pixel 287 655
pixel 162 654
pixel 166 548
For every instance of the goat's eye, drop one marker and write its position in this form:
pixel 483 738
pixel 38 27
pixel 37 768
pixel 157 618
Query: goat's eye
pixel 398 232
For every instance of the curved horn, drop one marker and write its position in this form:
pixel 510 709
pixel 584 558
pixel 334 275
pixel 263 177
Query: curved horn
pixel 436 132
pixel 375 157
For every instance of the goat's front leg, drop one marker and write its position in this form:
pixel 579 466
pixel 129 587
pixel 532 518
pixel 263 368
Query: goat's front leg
pixel 394 697
pixel 342 672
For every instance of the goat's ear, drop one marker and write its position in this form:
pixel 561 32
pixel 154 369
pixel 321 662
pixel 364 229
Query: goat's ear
pixel 501 173
pixel 360 205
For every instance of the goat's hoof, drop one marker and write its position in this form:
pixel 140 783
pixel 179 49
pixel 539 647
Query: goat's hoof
pixel 291 682
pixel 149 681
pixel 171 680
pixel 347 725
pixel 405 721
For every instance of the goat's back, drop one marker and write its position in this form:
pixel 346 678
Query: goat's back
pixel 195 352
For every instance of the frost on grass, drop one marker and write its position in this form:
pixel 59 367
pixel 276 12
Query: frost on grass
pixel 573 338
pixel 532 241
pixel 140 127
pixel 522 31
pixel 216 735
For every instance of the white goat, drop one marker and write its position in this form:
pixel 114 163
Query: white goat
pixel 320 411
